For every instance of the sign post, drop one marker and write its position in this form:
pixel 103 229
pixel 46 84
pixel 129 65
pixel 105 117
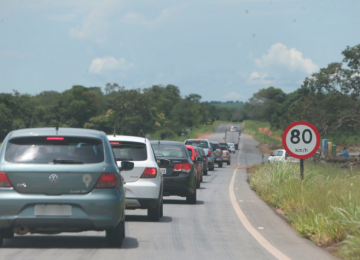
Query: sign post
pixel 301 140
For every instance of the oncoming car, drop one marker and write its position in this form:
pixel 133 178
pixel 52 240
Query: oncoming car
pixel 56 180
pixel 143 184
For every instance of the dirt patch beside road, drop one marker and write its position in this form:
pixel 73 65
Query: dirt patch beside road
pixel 265 129
pixel 203 136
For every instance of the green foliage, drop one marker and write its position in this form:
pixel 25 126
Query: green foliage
pixel 252 127
pixel 324 207
pixel 230 105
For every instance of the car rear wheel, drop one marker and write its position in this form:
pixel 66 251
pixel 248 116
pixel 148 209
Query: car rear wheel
pixel 7 233
pixel 154 214
pixel 198 184
pixel 1 237
pixel 205 172
pixel 192 198
pixel 116 235
pixel 201 180
pixel 220 164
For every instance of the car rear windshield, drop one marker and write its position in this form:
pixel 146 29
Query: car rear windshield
pixel 216 146
pixel 198 143
pixel 169 150
pixel 222 147
pixel 129 151
pixel 66 150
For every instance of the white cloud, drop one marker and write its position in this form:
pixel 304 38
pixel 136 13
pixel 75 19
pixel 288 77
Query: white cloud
pixel 279 56
pixel 108 63
pixel 233 95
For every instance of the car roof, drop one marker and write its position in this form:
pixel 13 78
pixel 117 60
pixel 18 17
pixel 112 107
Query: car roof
pixel 196 139
pixel 166 142
pixel 51 131
pixel 126 138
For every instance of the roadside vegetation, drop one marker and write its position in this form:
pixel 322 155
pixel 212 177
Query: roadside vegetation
pixel 257 129
pixel 329 99
pixel 324 207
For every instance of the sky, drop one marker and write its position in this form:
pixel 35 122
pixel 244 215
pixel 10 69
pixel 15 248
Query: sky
pixel 220 49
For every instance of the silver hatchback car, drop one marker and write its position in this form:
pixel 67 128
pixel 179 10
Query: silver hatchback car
pixel 60 180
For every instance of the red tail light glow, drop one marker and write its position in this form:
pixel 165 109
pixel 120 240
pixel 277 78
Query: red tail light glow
pixel 55 138
pixel 115 143
pixel 227 153
pixel 182 167
pixel 4 181
pixel 107 181
pixel 220 152
pixel 209 153
pixel 149 173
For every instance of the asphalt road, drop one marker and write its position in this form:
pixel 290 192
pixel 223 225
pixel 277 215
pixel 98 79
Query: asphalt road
pixel 229 221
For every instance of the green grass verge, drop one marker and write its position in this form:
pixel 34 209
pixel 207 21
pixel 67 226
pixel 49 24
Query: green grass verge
pixel 251 127
pixel 193 134
pixel 324 207
pixel 231 105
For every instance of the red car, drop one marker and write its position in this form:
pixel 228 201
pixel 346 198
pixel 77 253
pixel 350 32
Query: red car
pixel 196 158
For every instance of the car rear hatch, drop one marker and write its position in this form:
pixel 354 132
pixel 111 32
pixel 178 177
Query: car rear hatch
pixel 135 152
pixel 175 167
pixel 54 165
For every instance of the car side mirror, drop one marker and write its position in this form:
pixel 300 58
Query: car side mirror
pixel 126 166
pixel 163 162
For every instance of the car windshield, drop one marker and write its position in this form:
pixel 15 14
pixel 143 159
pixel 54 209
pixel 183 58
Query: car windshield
pixel 168 150
pixel 222 147
pixel 198 143
pixel 129 151
pixel 67 151
pixel 216 146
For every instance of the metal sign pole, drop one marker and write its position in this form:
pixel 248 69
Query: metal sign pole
pixel 302 169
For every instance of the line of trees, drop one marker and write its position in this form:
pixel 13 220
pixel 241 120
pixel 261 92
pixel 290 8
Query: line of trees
pixel 329 99
pixel 132 112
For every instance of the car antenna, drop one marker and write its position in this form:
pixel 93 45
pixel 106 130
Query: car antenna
pixel 57 124
pixel 114 131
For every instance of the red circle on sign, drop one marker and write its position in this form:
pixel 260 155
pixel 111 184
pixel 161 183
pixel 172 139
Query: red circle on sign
pixel 311 153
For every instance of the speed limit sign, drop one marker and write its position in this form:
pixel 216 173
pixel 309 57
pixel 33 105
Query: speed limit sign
pixel 301 139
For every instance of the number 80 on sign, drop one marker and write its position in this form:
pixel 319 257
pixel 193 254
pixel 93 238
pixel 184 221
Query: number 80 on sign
pixel 301 139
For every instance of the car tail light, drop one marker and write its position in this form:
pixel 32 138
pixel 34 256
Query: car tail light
pixel 107 181
pixel 149 173
pixel 204 159
pixel 115 143
pixel 227 153
pixel 4 181
pixel 182 167
pixel 220 152
pixel 209 153
pixel 55 138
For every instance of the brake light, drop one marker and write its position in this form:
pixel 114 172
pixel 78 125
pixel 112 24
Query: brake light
pixel 182 167
pixel 204 159
pixel 149 173
pixel 220 152
pixel 115 143
pixel 196 141
pixel 227 153
pixel 4 181
pixel 107 181
pixel 209 153
pixel 55 138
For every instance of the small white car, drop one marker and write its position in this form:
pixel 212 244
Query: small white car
pixel 231 147
pixel 281 156
pixel 233 128
pixel 143 184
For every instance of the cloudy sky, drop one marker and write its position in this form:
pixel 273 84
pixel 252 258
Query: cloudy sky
pixel 220 49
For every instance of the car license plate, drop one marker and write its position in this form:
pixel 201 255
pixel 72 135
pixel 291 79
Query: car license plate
pixel 163 170
pixel 52 210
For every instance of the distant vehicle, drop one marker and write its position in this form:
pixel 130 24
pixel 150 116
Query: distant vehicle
pixel 233 137
pixel 195 157
pixel 49 184
pixel 226 157
pixel 231 147
pixel 233 128
pixel 226 144
pixel 180 174
pixel 281 156
pixel 205 145
pixel 218 153
pixel 204 160
pixel 144 183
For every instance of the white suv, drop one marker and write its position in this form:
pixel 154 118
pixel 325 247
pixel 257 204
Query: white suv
pixel 143 184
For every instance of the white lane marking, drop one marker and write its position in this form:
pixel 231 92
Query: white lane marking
pixel 259 238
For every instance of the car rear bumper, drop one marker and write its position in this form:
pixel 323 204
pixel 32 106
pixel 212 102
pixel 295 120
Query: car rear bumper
pixel 180 186
pixel 220 159
pixel 97 210
pixel 226 159
pixel 143 189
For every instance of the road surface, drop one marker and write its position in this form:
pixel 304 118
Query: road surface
pixel 229 221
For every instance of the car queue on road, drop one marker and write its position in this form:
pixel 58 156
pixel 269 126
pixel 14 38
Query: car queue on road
pixel 55 180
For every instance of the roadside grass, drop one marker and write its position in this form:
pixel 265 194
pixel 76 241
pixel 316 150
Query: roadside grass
pixel 196 131
pixel 252 127
pixel 324 207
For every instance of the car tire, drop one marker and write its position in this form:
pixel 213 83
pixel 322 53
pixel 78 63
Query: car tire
pixel 162 208
pixel 154 214
pixel 201 179
pixel 228 162
pixel 192 198
pixel 7 233
pixel 198 184
pixel 1 237
pixel 211 169
pixel 205 172
pixel 116 235
pixel 220 165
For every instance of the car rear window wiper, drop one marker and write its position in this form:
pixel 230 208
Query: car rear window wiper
pixel 124 159
pixel 66 161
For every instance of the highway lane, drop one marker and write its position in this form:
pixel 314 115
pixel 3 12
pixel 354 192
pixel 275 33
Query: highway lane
pixel 210 229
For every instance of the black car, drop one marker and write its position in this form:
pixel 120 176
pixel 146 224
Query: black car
pixel 180 175
pixel 225 145
pixel 204 160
